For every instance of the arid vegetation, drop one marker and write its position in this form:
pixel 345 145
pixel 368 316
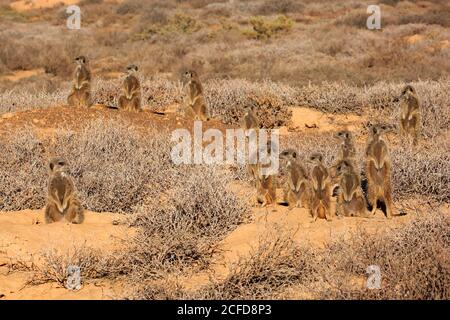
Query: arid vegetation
pixel 274 56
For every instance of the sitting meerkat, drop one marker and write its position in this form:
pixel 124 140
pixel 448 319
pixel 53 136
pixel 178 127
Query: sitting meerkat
pixel 351 201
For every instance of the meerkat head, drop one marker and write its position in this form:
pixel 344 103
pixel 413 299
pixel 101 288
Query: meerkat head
pixel 289 155
pixel 81 60
pixel 132 69
pixel 190 74
pixel 343 135
pixel 58 164
pixel 343 166
pixel 406 93
pixel 315 158
pixel 248 109
pixel 379 129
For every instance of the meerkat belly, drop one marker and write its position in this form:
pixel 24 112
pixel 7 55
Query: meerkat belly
pixel 377 175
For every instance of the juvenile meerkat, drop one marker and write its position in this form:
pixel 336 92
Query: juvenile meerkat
pixel 266 189
pixel 320 204
pixel 378 170
pixel 297 188
pixel 265 180
pixel 196 105
pixel 347 151
pixel 81 90
pixel 347 148
pixel 351 201
pixel 131 90
pixel 410 115
pixel 62 201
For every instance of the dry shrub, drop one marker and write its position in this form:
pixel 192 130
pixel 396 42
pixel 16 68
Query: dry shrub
pixel 263 28
pixel 158 93
pixel 434 97
pixel 114 166
pixel 356 18
pixel 434 16
pixel 22 172
pixel 19 52
pixel 422 172
pixel 414 262
pixel 270 7
pixel 332 97
pixel 53 264
pixel 227 99
pixel 35 95
pixel 275 265
pixel 179 230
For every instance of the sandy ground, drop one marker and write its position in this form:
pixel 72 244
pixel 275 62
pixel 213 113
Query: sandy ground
pixel 22 74
pixel 24 5
pixel 23 234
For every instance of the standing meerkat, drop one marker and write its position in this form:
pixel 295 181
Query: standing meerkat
pixel 81 90
pixel 347 151
pixel 410 115
pixel 249 120
pixel 266 183
pixel 347 148
pixel 378 170
pixel 351 201
pixel 297 188
pixel 62 201
pixel 131 90
pixel 320 204
pixel 196 105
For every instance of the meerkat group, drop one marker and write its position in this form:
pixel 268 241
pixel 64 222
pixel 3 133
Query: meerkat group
pixel 130 97
pixel 312 190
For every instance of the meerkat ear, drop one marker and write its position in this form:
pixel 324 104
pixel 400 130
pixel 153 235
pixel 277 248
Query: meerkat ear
pixel 51 166
pixel 294 155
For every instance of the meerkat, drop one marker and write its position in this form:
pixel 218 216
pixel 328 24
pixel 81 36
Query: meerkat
pixel 296 190
pixel 249 120
pixel 131 90
pixel 320 203
pixel 265 182
pixel 347 148
pixel 378 170
pixel 266 189
pixel 196 105
pixel 81 90
pixel 62 201
pixel 410 115
pixel 351 201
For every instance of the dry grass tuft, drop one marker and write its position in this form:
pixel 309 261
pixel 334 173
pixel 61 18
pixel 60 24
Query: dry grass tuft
pixel 179 230
pixel 53 264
